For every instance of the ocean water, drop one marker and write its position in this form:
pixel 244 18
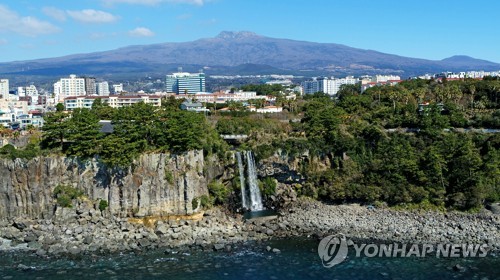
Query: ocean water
pixel 298 259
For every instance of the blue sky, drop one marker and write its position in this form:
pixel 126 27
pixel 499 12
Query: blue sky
pixel 427 29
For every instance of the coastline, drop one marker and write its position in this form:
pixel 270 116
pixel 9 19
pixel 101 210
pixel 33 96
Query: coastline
pixel 81 230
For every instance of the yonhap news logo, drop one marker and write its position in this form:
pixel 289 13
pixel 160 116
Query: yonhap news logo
pixel 333 250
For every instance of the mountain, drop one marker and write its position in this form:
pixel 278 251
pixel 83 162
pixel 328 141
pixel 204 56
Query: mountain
pixel 241 53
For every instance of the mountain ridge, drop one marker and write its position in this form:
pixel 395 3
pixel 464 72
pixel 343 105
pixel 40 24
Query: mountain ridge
pixel 230 49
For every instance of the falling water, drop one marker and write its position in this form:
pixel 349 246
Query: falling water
pixel 250 192
pixel 255 197
pixel 242 181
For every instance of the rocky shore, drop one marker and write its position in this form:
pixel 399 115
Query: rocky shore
pixel 88 230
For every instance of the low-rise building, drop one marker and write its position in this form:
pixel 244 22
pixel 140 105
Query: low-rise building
pixel 188 105
pixel 223 97
pixel 74 102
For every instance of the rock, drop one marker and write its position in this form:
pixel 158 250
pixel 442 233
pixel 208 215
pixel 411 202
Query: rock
pixel 34 245
pixel 74 251
pixel 144 242
pixel 87 239
pixel 24 267
pixel 270 232
pixel 41 253
pixel 458 267
pixel 268 248
pixel 494 208
pixel 21 224
pixel 161 229
pixel 276 251
pixel 140 184
pixel 218 246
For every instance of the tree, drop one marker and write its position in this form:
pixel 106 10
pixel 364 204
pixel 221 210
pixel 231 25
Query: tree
pixel 55 129
pixel 83 133
pixel 102 110
pixel 59 107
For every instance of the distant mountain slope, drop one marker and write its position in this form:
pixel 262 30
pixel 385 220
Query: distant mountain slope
pixel 230 52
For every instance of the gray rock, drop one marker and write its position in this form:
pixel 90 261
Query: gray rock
pixel 161 229
pixel 24 267
pixel 40 175
pixel 87 239
pixel 218 246
pixel 276 250
pixel 22 224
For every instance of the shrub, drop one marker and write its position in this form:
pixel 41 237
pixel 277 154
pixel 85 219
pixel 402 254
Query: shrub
pixel 65 195
pixel 218 191
pixel 204 200
pixel 103 204
pixel 268 186
pixel 169 177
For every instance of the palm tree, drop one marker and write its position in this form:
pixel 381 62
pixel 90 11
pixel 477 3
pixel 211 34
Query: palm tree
pixel 30 128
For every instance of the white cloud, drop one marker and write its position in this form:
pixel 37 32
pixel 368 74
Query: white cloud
pixel 141 32
pixel 155 2
pixel 27 26
pixel 55 13
pixel 92 16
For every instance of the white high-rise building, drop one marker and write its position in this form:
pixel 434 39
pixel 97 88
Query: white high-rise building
pixel 4 88
pixel 67 87
pixel 117 88
pixel 102 88
pixel 185 83
pixel 329 86
pixel 310 87
pixel 27 91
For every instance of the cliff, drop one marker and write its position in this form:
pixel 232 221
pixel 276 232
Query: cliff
pixel 155 185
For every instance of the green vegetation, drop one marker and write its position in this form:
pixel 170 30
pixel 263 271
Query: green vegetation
pixel 406 145
pixel 205 202
pixel 103 204
pixel 169 176
pixel 427 168
pixel 268 186
pixel 138 129
pixel 65 195
pixel 218 192
pixel 264 89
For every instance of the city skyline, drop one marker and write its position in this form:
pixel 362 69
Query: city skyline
pixel 50 28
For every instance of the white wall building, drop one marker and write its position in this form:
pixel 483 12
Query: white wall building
pixel 102 88
pixel 220 97
pixel 27 91
pixel 329 86
pixel 310 87
pixel 114 101
pixel 4 88
pixel 118 88
pixel 67 87
pixel 385 78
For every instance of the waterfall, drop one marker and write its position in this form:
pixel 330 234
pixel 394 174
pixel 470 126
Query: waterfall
pixel 242 181
pixel 250 192
pixel 255 197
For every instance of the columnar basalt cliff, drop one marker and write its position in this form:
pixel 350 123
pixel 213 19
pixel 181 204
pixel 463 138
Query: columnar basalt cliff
pixel 155 185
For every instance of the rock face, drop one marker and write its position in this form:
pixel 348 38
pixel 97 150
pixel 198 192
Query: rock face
pixel 287 169
pixel 155 185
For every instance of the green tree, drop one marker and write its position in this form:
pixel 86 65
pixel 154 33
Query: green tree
pixel 83 133
pixel 56 128
pixel 59 107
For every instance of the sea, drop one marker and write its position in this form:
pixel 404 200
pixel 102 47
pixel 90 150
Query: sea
pixel 297 259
